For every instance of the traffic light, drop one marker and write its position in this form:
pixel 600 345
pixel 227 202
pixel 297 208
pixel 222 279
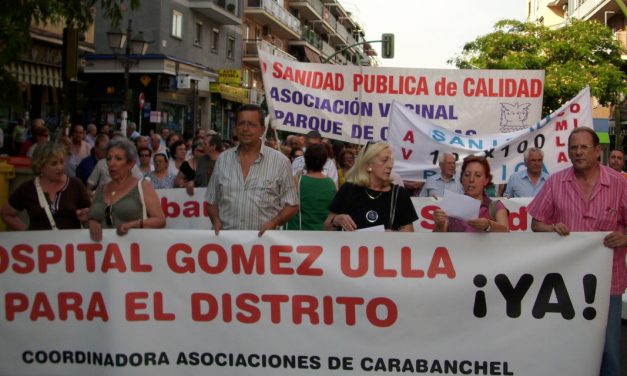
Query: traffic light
pixel 387 46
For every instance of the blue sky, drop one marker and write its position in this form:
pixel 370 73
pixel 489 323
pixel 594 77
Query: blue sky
pixel 428 33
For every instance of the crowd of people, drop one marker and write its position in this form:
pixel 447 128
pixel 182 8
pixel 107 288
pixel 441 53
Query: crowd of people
pixel 96 179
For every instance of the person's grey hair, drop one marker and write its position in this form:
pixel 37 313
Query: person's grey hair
pixel 131 125
pixel 443 155
pixel 532 150
pixel 358 174
pixel 91 127
pixel 45 152
pixel 130 151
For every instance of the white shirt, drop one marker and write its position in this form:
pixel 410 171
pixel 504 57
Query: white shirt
pixel 100 175
pixel 329 169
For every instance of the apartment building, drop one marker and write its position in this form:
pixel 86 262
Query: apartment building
pixel 302 30
pixel 191 42
pixel 39 74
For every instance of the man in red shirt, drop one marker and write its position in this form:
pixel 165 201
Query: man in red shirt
pixel 589 197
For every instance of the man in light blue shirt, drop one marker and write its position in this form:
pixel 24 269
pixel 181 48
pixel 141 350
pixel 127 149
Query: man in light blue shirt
pixel 527 183
pixel 446 179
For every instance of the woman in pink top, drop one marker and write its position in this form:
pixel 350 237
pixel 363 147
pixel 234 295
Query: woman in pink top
pixel 475 178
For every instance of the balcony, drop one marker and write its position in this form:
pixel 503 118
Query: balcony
pixel 250 52
pixel 591 9
pixel 310 10
pixel 278 19
pixel 309 36
pixel 224 12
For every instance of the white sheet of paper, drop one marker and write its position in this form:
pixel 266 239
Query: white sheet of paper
pixel 459 206
pixel 379 228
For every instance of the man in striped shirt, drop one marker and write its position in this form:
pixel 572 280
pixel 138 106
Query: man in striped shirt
pixel 251 187
pixel 589 197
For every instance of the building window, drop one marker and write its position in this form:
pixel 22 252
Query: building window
pixel 177 24
pixel 248 31
pixel 230 47
pixel 198 38
pixel 215 37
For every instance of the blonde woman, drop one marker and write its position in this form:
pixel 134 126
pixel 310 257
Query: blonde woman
pixel 52 199
pixel 369 198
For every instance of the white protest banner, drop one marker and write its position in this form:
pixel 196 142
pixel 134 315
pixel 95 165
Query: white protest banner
pixel 183 211
pixel 519 218
pixel 417 143
pixel 183 302
pixel 352 103
pixel 190 212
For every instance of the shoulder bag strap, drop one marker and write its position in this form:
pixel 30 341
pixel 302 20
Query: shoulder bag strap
pixel 393 206
pixel 492 209
pixel 141 197
pixel 44 203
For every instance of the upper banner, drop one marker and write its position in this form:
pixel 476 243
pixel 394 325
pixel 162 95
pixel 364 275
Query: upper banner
pixel 187 302
pixel 417 143
pixel 352 103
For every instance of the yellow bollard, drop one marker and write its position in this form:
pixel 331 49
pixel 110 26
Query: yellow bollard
pixel 7 171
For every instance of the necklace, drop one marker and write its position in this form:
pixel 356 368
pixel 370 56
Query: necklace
pixel 113 192
pixel 375 196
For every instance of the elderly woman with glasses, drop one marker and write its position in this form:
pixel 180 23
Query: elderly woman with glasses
pixel 369 198
pixel 145 155
pixel 125 202
pixel 52 199
pixel 492 216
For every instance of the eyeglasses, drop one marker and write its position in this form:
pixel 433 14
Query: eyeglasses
pixel 108 218
pixel 574 148
pixel 145 155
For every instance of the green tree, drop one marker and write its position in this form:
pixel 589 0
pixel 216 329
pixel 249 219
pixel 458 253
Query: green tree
pixel 578 54
pixel 16 20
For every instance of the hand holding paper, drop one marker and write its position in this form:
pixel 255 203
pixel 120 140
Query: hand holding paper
pixel 459 206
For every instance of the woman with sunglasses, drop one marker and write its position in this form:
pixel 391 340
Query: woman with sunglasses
pixel 187 172
pixel 492 216
pixel 369 198
pixel 125 202
pixel 145 155
pixel 52 200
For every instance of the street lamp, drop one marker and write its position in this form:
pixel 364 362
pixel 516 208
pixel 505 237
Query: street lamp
pixel 135 46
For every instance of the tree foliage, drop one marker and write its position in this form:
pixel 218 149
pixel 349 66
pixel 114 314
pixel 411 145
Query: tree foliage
pixel 578 54
pixel 16 21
